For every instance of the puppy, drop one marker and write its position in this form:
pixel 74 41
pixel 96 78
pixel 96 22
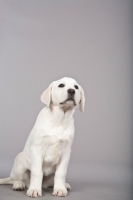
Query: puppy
pixel 45 158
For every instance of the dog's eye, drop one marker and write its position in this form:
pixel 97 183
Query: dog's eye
pixel 76 87
pixel 61 85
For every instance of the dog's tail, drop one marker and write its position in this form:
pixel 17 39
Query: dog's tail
pixel 6 181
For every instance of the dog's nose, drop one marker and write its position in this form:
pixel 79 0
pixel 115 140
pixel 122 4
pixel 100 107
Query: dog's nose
pixel 71 91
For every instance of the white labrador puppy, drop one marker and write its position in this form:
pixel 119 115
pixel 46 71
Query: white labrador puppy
pixel 45 158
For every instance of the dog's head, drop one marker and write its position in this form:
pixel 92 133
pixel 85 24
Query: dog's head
pixel 65 92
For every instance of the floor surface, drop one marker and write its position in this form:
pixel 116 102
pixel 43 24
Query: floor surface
pixel 88 182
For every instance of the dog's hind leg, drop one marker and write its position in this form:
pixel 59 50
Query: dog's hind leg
pixel 48 181
pixel 19 174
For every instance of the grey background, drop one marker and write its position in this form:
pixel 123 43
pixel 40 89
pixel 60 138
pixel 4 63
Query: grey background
pixel 91 41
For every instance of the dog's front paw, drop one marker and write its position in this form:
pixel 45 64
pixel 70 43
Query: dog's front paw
pixel 61 192
pixel 34 193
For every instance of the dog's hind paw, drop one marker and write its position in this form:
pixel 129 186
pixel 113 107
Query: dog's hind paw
pixel 67 186
pixel 18 185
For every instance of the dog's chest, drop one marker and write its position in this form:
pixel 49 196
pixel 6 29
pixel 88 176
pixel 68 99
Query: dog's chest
pixel 54 145
pixel 52 154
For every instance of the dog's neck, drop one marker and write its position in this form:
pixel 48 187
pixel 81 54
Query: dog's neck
pixel 61 114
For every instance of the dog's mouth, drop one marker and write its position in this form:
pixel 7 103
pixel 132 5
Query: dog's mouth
pixel 69 100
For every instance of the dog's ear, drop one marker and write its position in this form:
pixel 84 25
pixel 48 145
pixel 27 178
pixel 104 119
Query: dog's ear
pixel 82 101
pixel 46 96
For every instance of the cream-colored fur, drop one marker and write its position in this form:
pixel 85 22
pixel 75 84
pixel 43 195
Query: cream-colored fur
pixel 46 154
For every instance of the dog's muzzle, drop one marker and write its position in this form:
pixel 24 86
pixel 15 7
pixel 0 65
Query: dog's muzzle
pixel 71 93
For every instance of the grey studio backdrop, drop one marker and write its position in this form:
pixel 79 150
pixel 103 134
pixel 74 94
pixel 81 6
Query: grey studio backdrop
pixel 91 41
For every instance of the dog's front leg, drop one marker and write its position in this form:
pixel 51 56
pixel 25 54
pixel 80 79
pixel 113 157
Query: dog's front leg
pixel 35 189
pixel 60 175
